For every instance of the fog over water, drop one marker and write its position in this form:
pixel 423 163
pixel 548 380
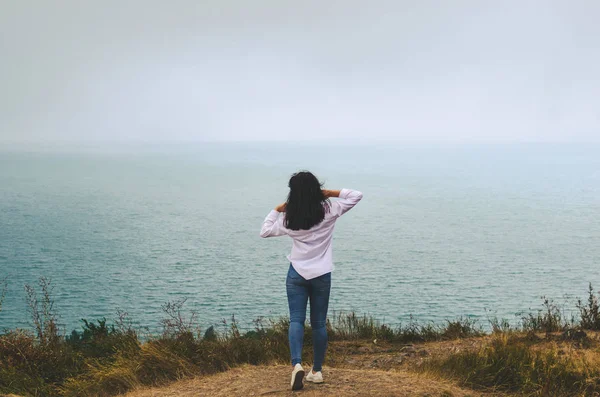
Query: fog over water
pixel 426 71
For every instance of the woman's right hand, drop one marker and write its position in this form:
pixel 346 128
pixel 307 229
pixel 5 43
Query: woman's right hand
pixel 331 193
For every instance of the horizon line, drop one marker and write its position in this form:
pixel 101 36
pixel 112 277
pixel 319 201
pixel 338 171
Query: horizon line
pixel 308 142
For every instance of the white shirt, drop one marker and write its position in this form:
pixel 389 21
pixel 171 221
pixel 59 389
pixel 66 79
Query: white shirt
pixel 311 254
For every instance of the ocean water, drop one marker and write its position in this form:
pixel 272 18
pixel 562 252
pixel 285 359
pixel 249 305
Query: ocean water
pixel 442 231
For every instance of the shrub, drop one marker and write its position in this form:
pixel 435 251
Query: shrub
pixel 347 326
pixel 176 322
pixel 510 364
pixel 41 309
pixel 3 286
pixel 549 319
pixel 500 326
pixel 26 366
pixel 590 312
pixel 461 328
pixel 99 340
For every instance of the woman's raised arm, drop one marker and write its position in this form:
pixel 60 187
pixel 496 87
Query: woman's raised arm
pixel 273 224
pixel 348 199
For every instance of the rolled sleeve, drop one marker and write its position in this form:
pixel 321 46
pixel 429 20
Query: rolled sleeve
pixel 347 200
pixel 272 225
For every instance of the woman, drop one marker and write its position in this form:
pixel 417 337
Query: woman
pixel 309 220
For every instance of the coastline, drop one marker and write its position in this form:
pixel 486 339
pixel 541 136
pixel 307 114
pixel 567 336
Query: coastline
pixel 546 353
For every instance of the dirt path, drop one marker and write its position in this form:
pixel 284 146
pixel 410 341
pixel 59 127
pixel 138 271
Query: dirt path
pixel 358 369
pixel 274 381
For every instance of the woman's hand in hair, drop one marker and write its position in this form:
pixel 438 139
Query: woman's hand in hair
pixel 280 208
pixel 331 193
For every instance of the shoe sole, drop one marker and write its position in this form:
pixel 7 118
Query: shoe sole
pixel 298 381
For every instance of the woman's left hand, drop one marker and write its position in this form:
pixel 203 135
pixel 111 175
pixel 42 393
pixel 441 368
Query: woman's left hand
pixel 280 208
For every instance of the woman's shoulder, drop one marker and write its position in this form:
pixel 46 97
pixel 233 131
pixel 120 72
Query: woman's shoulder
pixel 330 208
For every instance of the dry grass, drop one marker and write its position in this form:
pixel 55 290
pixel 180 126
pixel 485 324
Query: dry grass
pixel 527 364
pixel 105 360
pixel 511 364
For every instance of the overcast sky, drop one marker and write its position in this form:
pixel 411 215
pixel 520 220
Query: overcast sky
pixel 414 71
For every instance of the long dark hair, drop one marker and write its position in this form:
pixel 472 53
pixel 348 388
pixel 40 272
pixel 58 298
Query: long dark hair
pixel 306 203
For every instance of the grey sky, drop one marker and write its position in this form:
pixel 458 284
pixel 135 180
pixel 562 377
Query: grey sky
pixel 474 71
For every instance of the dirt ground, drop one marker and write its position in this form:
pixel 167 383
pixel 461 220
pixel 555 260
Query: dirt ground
pixel 356 369
pixel 275 381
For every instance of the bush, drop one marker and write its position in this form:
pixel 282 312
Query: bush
pixel 500 326
pixel 101 340
pixel 461 328
pixel 347 326
pixel 549 319
pixel 41 309
pixel 3 286
pixel 26 366
pixel 510 364
pixel 590 312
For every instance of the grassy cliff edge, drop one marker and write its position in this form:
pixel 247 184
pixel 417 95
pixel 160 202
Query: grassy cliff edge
pixel 546 354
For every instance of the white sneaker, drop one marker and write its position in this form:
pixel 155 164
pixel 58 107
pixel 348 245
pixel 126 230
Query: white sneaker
pixel 314 378
pixel 297 377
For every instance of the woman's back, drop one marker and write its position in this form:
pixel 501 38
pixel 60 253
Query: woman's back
pixel 311 254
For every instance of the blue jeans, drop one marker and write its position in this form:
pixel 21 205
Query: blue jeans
pixel 299 291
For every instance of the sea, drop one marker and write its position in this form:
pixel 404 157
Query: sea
pixel 444 231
